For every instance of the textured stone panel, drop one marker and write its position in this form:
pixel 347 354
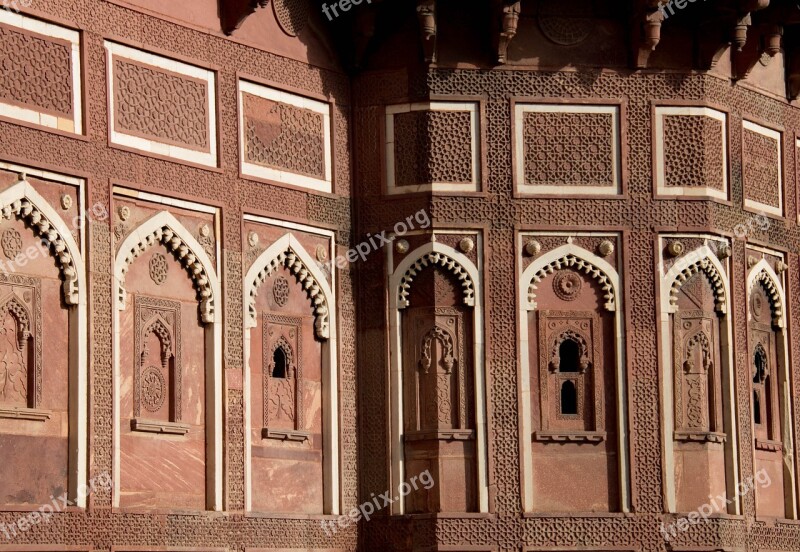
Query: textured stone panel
pixel 153 103
pixel 569 149
pixel 694 152
pixel 761 161
pixel 35 71
pixel 433 146
pixel 284 136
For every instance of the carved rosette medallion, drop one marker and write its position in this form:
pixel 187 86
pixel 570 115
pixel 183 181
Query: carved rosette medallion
pixel 280 291
pixel 567 285
pixel 11 243
pixel 158 269
pixel 153 386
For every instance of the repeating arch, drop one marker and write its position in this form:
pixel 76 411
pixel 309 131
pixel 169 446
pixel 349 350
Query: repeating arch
pixel 287 251
pixel 762 273
pixel 435 258
pixel 700 260
pixel 577 258
pixel 164 228
pixel 23 202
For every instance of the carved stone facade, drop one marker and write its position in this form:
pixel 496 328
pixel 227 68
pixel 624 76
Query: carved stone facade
pixel 217 292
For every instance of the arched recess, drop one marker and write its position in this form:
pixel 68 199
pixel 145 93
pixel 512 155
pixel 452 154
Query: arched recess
pixel 289 252
pixel 700 261
pixel 164 229
pixel 574 257
pixel 23 202
pixel 465 271
pixel 762 274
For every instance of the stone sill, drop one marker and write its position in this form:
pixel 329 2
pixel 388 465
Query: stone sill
pixel 768 445
pixel 569 436
pixel 31 414
pixel 441 435
pixel 285 435
pixel 157 426
pixel 700 436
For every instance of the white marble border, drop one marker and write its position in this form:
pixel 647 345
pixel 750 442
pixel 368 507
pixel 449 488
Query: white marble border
pixel 395 387
pixel 704 191
pixel 332 501
pixel 520 109
pixel 78 318
pixel 278 175
pixel 155 147
pixel 774 135
pixel 524 385
pixel 62 33
pixel 474 114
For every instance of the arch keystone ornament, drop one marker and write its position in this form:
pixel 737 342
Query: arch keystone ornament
pixel 164 228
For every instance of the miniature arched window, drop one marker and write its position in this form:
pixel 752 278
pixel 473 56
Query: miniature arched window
pixel 569 355
pixel 569 398
pixel 279 363
pixel 759 383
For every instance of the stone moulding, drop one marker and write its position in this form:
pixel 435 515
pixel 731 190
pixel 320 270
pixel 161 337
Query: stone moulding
pixel 285 435
pixel 571 261
pixel 158 426
pixel 440 435
pixel 705 266
pixel 570 436
pixel 434 258
pixel 31 414
pixel 190 257
pixel 701 436
pixel 296 266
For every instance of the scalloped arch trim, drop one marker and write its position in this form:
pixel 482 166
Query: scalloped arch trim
pixel 434 258
pixel 708 268
pixel 571 260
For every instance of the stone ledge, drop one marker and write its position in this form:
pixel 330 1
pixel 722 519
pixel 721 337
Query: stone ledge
pixel 700 436
pixel 768 445
pixel 157 426
pixel 32 414
pixel 441 435
pixel 570 436
pixel 285 434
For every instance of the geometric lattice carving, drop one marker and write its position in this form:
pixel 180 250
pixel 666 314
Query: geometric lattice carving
pixel 761 165
pixel 569 260
pixel 296 266
pixel 431 259
pixel 694 151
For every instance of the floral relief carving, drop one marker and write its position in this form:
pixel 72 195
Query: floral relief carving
pixel 11 243
pixel 567 285
pixel 158 269
pixel 280 291
pixel 153 388
pixel 437 333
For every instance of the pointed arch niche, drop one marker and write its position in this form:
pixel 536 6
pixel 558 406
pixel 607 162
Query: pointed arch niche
pixel 160 419
pixel 438 381
pixel 696 356
pixel 43 404
pixel 573 385
pixel 771 405
pixel 291 384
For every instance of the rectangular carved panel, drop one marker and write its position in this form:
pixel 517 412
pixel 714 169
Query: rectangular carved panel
pixel 762 168
pixel 157 380
pixel 694 152
pixel 40 73
pixel 21 347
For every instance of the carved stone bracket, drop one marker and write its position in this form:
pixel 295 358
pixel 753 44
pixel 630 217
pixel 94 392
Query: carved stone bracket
pixel 443 260
pixel 646 34
pixel 570 436
pixel 296 266
pixel 576 263
pixel 426 14
pixel 183 253
pixel 508 28
pixel 234 12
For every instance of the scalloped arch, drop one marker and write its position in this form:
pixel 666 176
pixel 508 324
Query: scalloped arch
pixel 576 261
pixel 164 228
pixel 23 202
pixel 763 274
pixel 288 252
pixel 711 271
pixel 433 258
